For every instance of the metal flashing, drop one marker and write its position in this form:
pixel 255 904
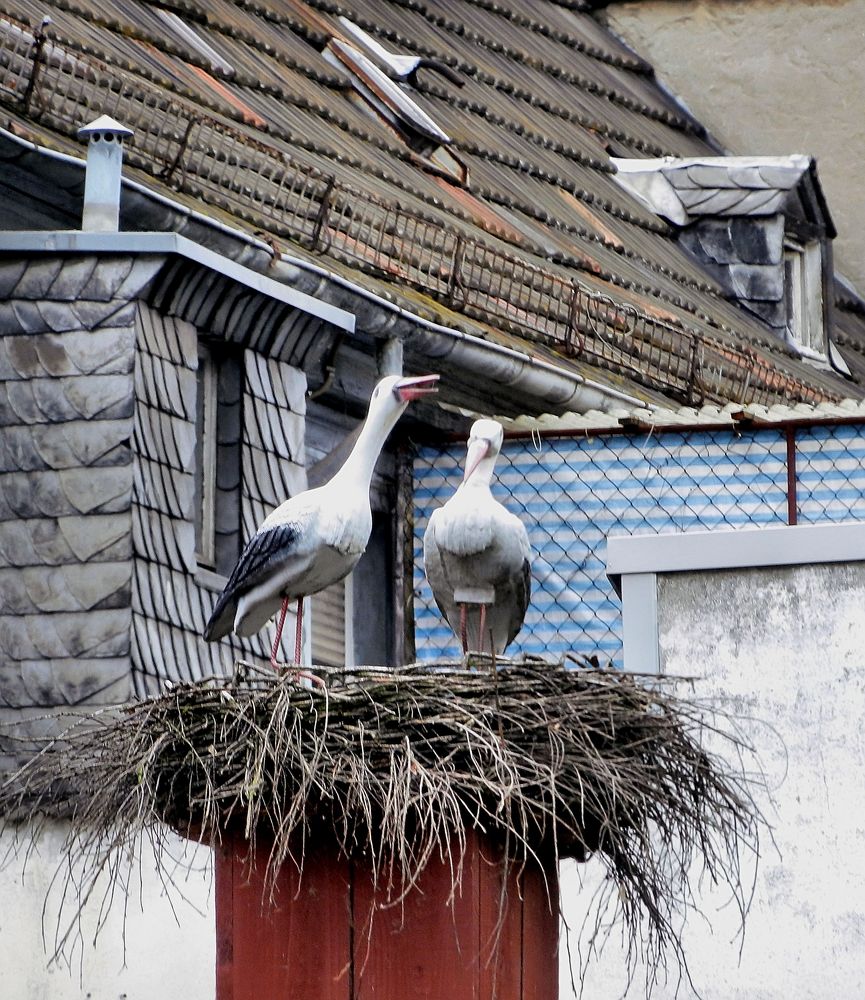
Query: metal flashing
pixel 73 241
pixel 104 123
pixel 634 563
pixel 639 593
pixel 741 548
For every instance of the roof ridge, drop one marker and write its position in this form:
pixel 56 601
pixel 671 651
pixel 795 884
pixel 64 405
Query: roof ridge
pixel 634 63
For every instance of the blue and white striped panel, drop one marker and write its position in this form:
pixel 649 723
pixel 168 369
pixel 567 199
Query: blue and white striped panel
pixel 830 472
pixel 574 492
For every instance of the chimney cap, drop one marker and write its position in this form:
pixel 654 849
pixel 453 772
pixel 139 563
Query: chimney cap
pixel 105 124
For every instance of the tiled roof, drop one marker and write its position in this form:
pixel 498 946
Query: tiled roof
pixel 238 107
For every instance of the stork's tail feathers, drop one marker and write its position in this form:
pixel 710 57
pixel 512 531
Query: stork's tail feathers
pixel 222 620
pixel 263 551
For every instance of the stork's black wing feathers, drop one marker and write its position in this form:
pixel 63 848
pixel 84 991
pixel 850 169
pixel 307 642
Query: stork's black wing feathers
pixel 523 594
pixel 262 550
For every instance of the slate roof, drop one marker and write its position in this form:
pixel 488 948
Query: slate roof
pixel 238 108
pixel 682 189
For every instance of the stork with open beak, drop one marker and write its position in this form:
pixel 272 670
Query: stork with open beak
pixel 315 538
pixel 476 552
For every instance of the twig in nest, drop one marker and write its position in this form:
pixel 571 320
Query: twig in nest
pixel 397 764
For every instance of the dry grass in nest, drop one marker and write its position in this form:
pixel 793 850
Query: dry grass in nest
pixel 396 764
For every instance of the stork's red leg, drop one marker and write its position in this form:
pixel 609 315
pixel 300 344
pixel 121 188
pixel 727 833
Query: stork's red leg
pixel 297 643
pixel 482 628
pixel 464 636
pixel 298 636
pixel 273 661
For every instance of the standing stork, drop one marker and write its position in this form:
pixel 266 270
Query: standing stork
pixel 477 552
pixel 315 538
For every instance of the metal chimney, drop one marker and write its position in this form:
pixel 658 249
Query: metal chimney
pixel 102 181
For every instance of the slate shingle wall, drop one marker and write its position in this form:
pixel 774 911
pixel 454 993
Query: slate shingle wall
pixel 273 463
pixel 67 347
pixel 746 257
pixel 98 590
pixel 273 435
pixel 170 604
pixel 167 610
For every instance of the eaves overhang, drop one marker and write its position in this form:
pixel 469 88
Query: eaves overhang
pixel 173 244
pixel 517 380
pixel 684 189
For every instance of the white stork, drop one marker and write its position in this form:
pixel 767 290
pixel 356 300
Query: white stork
pixel 477 552
pixel 315 538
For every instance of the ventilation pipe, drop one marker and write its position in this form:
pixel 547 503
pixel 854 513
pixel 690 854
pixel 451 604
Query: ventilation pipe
pixel 102 181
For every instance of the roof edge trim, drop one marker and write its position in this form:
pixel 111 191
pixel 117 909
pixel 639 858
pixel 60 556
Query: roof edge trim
pixel 682 189
pixel 78 241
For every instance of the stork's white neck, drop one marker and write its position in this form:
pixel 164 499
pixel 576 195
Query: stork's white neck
pixel 482 476
pixel 359 466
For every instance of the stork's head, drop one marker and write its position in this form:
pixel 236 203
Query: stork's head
pixel 393 394
pixel 485 442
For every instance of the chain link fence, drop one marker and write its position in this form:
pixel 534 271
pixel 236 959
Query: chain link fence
pixel 573 491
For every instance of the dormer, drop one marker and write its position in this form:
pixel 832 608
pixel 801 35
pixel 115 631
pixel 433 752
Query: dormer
pixel 759 225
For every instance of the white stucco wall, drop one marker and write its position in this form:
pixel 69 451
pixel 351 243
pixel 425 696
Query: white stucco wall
pixel 769 77
pixel 784 648
pixel 169 953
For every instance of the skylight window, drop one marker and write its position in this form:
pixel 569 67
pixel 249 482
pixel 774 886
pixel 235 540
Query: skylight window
pixel 386 96
pixel 389 100
pixel 402 67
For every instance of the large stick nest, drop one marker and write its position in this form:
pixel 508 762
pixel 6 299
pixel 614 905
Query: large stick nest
pixel 395 765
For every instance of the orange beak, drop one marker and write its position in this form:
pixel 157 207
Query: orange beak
pixel 478 451
pixel 408 389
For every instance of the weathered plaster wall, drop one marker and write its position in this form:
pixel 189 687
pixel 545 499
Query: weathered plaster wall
pixel 786 651
pixel 170 942
pixel 773 77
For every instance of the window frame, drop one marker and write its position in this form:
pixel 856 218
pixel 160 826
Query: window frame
pixel 218 451
pixel 803 296
pixel 207 408
pixel 347 585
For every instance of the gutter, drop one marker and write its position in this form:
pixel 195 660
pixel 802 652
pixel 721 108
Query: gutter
pixel 506 366
pixel 550 387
